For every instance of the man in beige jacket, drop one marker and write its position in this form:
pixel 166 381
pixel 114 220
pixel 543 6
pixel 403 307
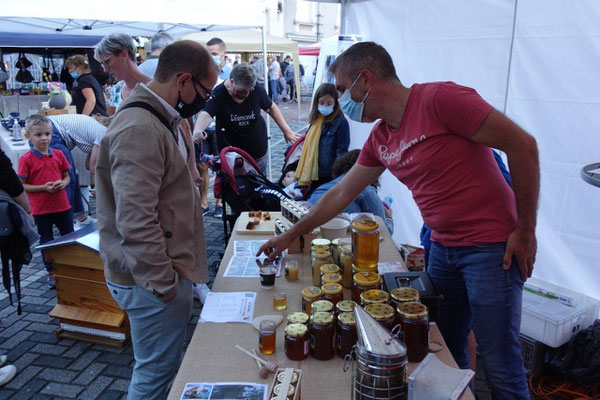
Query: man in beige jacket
pixel 149 214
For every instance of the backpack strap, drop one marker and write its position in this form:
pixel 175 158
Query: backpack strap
pixel 148 107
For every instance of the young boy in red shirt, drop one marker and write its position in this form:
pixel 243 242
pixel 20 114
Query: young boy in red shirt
pixel 45 174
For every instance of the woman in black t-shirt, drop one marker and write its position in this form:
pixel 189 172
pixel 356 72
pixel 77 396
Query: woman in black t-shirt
pixel 88 97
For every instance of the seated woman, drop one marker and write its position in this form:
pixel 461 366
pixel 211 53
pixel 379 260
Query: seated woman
pixel 367 201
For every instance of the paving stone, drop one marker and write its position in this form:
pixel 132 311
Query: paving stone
pixel 9 320
pixel 121 385
pixel 14 328
pixel 77 349
pixel 32 292
pixel 33 300
pixel 96 388
pixel 68 391
pixel 47 338
pixel 67 342
pixel 23 377
pixel 28 391
pixel 57 375
pixel 112 359
pixel 43 318
pixel 24 361
pixel 118 371
pixel 49 349
pixel 110 395
pixel 44 328
pixel 51 302
pixel 89 374
pixel 17 345
pixel 37 308
pixel 39 396
pixel 6 394
pixel 86 359
pixel 52 361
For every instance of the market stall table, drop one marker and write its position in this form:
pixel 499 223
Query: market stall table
pixel 212 357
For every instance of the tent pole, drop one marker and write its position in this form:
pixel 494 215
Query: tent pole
pixel 264 49
pixel 512 44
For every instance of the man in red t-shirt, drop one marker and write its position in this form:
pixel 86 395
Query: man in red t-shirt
pixel 436 138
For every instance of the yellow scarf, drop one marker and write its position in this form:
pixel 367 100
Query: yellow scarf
pixel 308 166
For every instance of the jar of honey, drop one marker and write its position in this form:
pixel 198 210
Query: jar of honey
pixel 282 374
pixel 346 333
pixel 319 258
pixel 345 306
pixel 356 269
pixel 322 306
pixel 290 393
pixel 329 269
pixel 336 245
pixel 404 295
pixel 331 278
pixel 334 292
pixel 320 244
pixel 363 281
pixel 414 319
pixel 383 313
pixel 297 318
pixel 374 296
pixel 322 336
pixel 266 337
pixel 309 296
pixel 296 342
pixel 346 265
pixel 365 243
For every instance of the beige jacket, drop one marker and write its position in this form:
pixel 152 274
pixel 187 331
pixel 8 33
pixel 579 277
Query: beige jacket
pixel 149 214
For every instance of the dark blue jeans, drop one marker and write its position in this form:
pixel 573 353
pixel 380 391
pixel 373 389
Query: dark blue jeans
pixel 73 189
pixel 45 223
pixel 479 294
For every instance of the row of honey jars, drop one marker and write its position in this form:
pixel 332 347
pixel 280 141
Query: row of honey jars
pixel 363 281
pixel 365 243
pixel 318 259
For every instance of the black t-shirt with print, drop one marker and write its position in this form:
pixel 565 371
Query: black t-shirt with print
pixel 240 125
pixel 88 81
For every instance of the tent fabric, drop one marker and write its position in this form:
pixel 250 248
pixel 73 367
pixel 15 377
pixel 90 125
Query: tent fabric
pixel 246 41
pixel 41 40
pixel 313 49
pixel 545 79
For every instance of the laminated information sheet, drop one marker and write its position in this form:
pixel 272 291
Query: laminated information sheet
pixel 223 307
pixel 245 264
pixel 225 391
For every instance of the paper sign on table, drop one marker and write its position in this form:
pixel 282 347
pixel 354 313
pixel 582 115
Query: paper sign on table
pixel 223 307
pixel 247 248
pixel 224 391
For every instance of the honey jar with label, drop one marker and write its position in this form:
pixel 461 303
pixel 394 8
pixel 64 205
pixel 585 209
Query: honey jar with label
pixel 309 296
pixel 363 281
pixel 346 333
pixel 383 313
pixel 296 342
pixel 414 319
pixel 322 336
pixel 346 265
pixel 334 292
pixel 319 258
pixel 365 243
pixel 374 296
pixel 297 318
pixel 322 306
pixel 345 306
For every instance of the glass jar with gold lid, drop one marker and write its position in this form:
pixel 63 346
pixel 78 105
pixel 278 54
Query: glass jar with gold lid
pixel 382 313
pixel 319 244
pixel 346 265
pixel 346 333
pixel 322 306
pixel 336 245
pixel 374 296
pixel 345 306
pixel 290 393
pixel 363 281
pixel 414 319
pixel 322 336
pixel 328 269
pixel 334 292
pixel 404 295
pixel 309 296
pixel 298 317
pixel 356 269
pixel 331 278
pixel 296 342
pixel 282 374
pixel 365 243
pixel 319 258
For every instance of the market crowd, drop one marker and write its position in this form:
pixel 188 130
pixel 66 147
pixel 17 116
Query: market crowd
pixel 177 110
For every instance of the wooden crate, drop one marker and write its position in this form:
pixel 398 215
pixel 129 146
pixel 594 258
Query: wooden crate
pixel 298 386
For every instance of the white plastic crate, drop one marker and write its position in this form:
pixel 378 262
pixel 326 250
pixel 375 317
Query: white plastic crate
pixel 551 322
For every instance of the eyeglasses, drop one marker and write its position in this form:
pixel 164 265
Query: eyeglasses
pixel 106 62
pixel 242 90
pixel 207 91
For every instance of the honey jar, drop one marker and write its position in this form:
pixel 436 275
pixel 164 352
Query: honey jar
pixel 267 337
pixel 346 265
pixel 356 269
pixel 334 292
pixel 296 342
pixel 290 393
pixel 345 306
pixel 365 243
pixel 363 281
pixel 404 295
pixel 374 296
pixel 414 319
pixel 331 278
pixel 328 269
pixel 346 333
pixel 320 244
pixel 292 382
pixel 322 336
pixel 383 313
pixel 319 258
pixel 297 318
pixel 336 245
pixel 309 295
pixel 322 306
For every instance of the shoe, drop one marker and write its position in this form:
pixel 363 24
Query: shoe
pixel 51 281
pixel 89 220
pixel 200 291
pixel 205 211
pixel 7 373
pixel 3 360
pixel 218 212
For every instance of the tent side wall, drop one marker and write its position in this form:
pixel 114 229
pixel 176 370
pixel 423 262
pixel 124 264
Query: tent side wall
pixel 551 91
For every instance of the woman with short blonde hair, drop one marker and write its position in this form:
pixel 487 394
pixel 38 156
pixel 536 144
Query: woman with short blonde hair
pixel 88 96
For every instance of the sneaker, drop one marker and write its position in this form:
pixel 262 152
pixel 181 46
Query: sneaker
pixel 218 212
pixel 7 373
pixel 89 220
pixel 3 360
pixel 200 291
pixel 51 281
pixel 205 211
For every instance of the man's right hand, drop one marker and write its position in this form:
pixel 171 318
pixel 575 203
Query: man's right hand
pixel 276 245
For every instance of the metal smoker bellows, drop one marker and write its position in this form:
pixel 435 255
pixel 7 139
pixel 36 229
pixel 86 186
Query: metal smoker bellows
pixel 380 368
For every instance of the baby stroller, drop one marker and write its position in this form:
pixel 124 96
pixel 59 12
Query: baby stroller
pixel 243 187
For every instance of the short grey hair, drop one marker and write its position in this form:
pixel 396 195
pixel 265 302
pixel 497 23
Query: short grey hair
pixel 160 40
pixel 243 74
pixel 114 44
pixel 35 120
pixel 361 56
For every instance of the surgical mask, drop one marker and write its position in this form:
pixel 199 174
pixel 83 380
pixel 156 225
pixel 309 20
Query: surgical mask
pixel 75 75
pixel 325 110
pixel 217 60
pixel 351 108
pixel 187 110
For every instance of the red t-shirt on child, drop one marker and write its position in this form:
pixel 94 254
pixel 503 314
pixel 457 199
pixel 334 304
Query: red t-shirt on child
pixel 455 181
pixel 38 169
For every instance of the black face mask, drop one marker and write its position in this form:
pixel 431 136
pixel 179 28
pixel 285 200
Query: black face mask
pixel 187 110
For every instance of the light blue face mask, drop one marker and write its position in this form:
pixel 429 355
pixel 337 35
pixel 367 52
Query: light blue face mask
pixel 75 75
pixel 217 60
pixel 351 108
pixel 325 110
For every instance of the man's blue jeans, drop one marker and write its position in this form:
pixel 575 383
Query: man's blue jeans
pixel 274 83
pixel 479 294
pixel 157 335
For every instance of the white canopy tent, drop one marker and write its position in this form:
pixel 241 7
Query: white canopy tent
pixel 535 60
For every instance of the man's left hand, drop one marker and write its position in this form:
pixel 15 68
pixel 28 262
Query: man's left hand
pixel 522 245
pixel 292 136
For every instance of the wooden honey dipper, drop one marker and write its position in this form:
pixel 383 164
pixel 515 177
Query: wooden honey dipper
pixel 263 372
pixel 269 365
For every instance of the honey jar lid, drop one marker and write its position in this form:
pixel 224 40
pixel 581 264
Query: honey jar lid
pixel 277 389
pixel 321 306
pixel 341 241
pixel 367 278
pixel 374 296
pixel 331 288
pixel 412 310
pixel 311 292
pixel 347 318
pixel 405 294
pixel 321 318
pixel 345 306
pixel 331 277
pixel 329 268
pixel 322 253
pixel 296 330
pixel 294 377
pixel 320 242
pixel 364 225
pixel 380 311
pixel 297 318
pixel 346 248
